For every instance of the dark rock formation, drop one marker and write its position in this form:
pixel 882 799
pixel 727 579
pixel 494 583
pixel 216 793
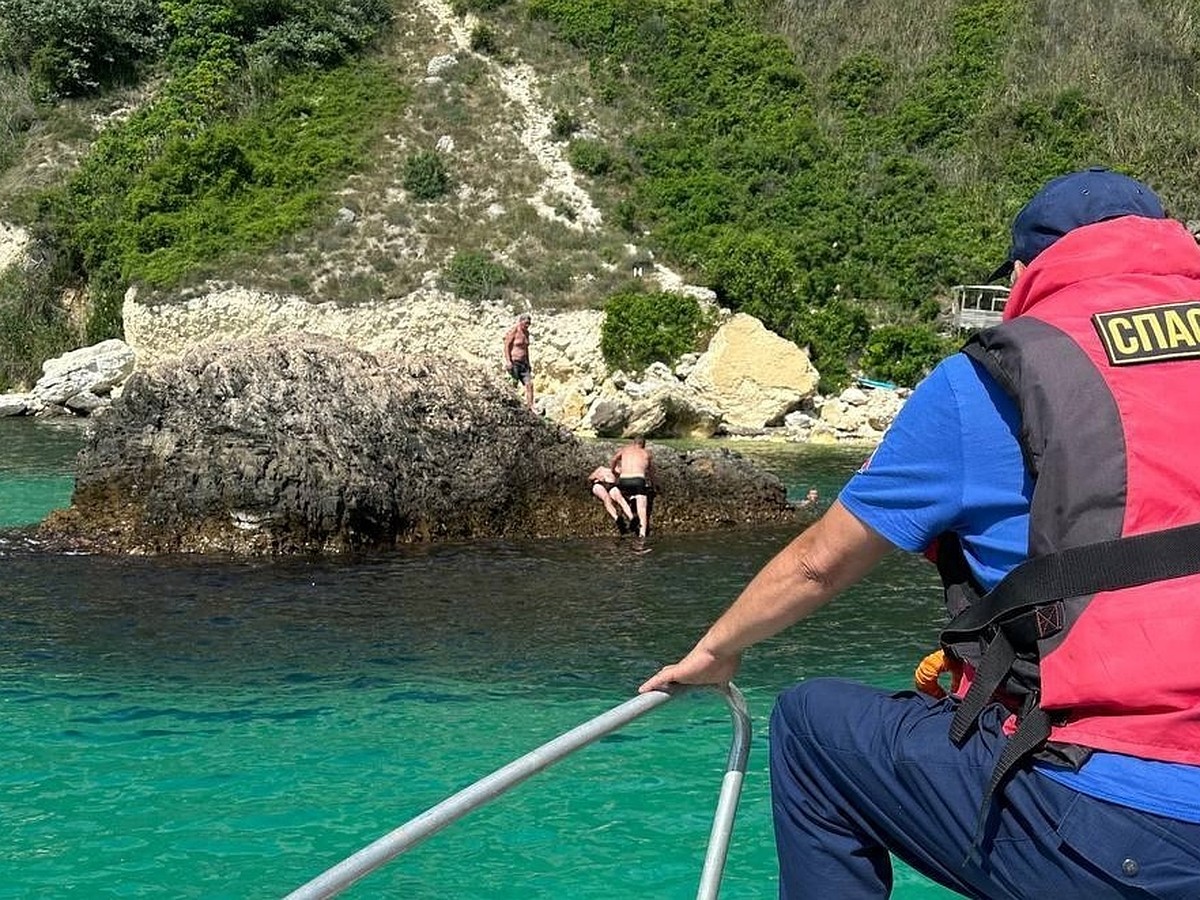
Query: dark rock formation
pixel 302 444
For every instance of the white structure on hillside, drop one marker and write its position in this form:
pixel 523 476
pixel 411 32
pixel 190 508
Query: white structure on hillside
pixel 978 305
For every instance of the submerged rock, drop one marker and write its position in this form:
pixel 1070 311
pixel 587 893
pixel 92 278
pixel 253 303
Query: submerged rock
pixel 302 443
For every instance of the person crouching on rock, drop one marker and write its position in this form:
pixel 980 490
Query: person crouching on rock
pixel 603 484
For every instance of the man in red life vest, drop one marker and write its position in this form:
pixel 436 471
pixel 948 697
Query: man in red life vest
pixel 1047 462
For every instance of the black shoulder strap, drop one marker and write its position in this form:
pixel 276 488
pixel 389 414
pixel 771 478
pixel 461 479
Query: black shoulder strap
pixel 1081 571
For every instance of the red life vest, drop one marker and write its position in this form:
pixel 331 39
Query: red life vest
pixel 1100 349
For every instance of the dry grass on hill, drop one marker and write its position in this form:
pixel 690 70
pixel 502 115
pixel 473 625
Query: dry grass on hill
pixel 1137 62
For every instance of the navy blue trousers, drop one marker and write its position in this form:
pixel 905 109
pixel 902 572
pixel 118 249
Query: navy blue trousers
pixel 858 773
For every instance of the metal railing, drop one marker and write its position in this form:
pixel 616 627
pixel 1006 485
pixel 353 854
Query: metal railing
pixel 488 788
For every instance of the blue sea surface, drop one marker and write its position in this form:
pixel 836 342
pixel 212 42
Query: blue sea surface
pixel 219 728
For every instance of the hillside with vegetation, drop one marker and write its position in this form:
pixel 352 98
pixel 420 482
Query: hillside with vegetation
pixel 831 168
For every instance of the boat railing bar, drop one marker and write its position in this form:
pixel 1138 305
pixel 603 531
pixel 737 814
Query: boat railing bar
pixel 369 858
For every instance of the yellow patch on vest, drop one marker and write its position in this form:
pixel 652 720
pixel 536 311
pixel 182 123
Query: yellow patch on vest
pixel 1151 333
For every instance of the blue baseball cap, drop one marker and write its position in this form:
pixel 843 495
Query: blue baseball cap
pixel 1072 201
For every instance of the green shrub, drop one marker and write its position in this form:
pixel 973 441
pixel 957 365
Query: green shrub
pixel 274 33
pixel 182 183
pixel 321 33
pixel 475 276
pixel 858 82
pixel 1048 133
pixel 562 207
pixel 904 353
pixel 625 216
pixel 74 47
pixel 563 125
pixel 425 175
pixel 485 40
pixel 462 7
pixel 107 294
pixel 834 333
pixel 754 273
pixel 33 325
pixel 640 328
pixel 940 109
pixel 590 157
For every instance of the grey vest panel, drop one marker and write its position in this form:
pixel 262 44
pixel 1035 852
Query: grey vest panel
pixel 1071 432
pixel 1071 436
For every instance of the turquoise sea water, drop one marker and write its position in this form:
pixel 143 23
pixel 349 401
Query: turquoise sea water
pixel 36 461
pixel 218 728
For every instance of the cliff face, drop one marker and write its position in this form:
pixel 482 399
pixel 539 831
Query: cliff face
pixel 377 273
pixel 305 444
pixel 428 322
pixel 748 377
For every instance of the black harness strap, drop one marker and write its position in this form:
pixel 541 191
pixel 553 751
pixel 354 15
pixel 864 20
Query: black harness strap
pixel 1031 733
pixel 1081 571
pixel 1040 584
pixel 997 660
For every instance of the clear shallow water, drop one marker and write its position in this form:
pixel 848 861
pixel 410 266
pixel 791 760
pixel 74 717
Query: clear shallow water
pixel 36 461
pixel 214 728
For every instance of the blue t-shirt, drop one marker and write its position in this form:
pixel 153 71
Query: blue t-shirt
pixel 951 462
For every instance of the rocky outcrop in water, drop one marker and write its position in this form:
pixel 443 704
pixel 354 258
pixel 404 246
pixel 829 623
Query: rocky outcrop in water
pixel 305 444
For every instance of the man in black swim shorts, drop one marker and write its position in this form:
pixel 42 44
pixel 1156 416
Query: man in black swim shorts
pixel 635 466
pixel 516 356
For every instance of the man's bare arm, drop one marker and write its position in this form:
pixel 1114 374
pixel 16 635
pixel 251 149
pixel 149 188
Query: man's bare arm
pixel 822 561
pixel 509 337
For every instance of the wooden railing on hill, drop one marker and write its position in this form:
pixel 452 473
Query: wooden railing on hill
pixel 978 305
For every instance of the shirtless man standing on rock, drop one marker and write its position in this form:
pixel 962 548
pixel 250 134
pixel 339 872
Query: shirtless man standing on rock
pixel 516 355
pixel 635 465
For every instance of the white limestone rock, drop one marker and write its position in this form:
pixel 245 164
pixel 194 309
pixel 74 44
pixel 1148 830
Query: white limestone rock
pixel 94 370
pixel 14 404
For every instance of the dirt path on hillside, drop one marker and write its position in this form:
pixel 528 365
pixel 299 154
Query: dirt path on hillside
pixel 518 82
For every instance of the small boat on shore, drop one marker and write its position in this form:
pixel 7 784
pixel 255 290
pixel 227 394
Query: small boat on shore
pixel 875 383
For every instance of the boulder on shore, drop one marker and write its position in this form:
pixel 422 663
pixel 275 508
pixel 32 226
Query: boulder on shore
pixel 301 443
pixel 753 375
